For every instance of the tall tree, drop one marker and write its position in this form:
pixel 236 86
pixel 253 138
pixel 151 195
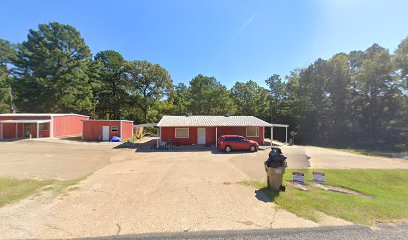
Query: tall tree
pixel 401 63
pixel 209 97
pixel 180 98
pixel 249 98
pixel 149 83
pixel 313 96
pixel 276 89
pixel 338 80
pixel 52 71
pixel 377 90
pixel 7 56
pixel 111 94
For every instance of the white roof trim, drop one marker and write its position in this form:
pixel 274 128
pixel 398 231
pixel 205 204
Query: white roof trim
pixel 212 121
pixel 279 125
pixel 39 114
pixel 100 120
pixel 25 121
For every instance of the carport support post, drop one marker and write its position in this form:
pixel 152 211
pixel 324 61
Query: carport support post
pixel 286 135
pixel 157 142
pixel 1 126
pixel 271 136
pixel 16 130
pixel 38 130
pixel 216 137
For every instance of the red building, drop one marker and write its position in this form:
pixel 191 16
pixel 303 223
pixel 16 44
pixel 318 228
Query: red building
pixel 37 125
pixel 207 129
pixel 103 130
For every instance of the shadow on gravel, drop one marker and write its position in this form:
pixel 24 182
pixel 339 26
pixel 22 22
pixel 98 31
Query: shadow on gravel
pixel 150 146
pixel 266 195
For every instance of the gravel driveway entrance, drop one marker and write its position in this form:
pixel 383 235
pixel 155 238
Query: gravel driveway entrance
pixel 150 192
pixel 146 192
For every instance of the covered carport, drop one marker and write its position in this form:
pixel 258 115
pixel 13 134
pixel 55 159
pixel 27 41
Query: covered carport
pixel 275 125
pixel 6 126
pixel 139 128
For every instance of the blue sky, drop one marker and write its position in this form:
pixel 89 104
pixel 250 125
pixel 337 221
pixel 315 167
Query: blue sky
pixel 230 40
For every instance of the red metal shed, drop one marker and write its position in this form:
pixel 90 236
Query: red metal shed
pixel 37 125
pixel 206 129
pixel 103 130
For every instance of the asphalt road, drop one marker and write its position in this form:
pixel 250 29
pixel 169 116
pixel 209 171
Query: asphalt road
pixel 323 233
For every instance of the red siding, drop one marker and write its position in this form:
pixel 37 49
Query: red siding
pixel 68 125
pixel 62 125
pixel 33 131
pixel 92 130
pixel 9 130
pixel 168 133
pixel 210 135
pixel 241 131
pixel 127 131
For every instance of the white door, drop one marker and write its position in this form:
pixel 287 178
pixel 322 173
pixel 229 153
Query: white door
pixel 105 133
pixel 200 135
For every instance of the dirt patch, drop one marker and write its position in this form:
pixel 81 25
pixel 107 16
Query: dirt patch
pixel 330 188
pixel 339 190
pixel 298 186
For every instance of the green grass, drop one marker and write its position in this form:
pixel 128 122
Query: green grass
pixel 13 189
pixel 388 188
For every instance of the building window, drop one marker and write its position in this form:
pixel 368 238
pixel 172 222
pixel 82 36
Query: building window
pixel 182 132
pixel 252 132
pixel 114 128
pixel 43 127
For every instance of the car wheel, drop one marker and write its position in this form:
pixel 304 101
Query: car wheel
pixel 228 149
pixel 252 148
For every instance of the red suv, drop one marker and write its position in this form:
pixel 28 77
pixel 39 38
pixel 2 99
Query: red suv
pixel 236 142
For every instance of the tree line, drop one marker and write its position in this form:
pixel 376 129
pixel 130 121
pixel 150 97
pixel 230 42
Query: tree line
pixel 359 99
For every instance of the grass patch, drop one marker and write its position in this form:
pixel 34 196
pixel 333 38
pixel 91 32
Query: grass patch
pixel 388 188
pixel 13 189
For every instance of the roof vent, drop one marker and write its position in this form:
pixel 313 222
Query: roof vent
pixel 189 114
pixel 226 115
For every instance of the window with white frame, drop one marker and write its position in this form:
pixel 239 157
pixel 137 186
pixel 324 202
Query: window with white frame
pixel 182 132
pixel 114 129
pixel 252 132
pixel 43 126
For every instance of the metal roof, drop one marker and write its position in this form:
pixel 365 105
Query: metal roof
pixel 40 114
pixel 212 121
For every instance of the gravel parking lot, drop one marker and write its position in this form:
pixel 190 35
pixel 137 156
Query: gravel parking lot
pixel 140 192
pixel 52 159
